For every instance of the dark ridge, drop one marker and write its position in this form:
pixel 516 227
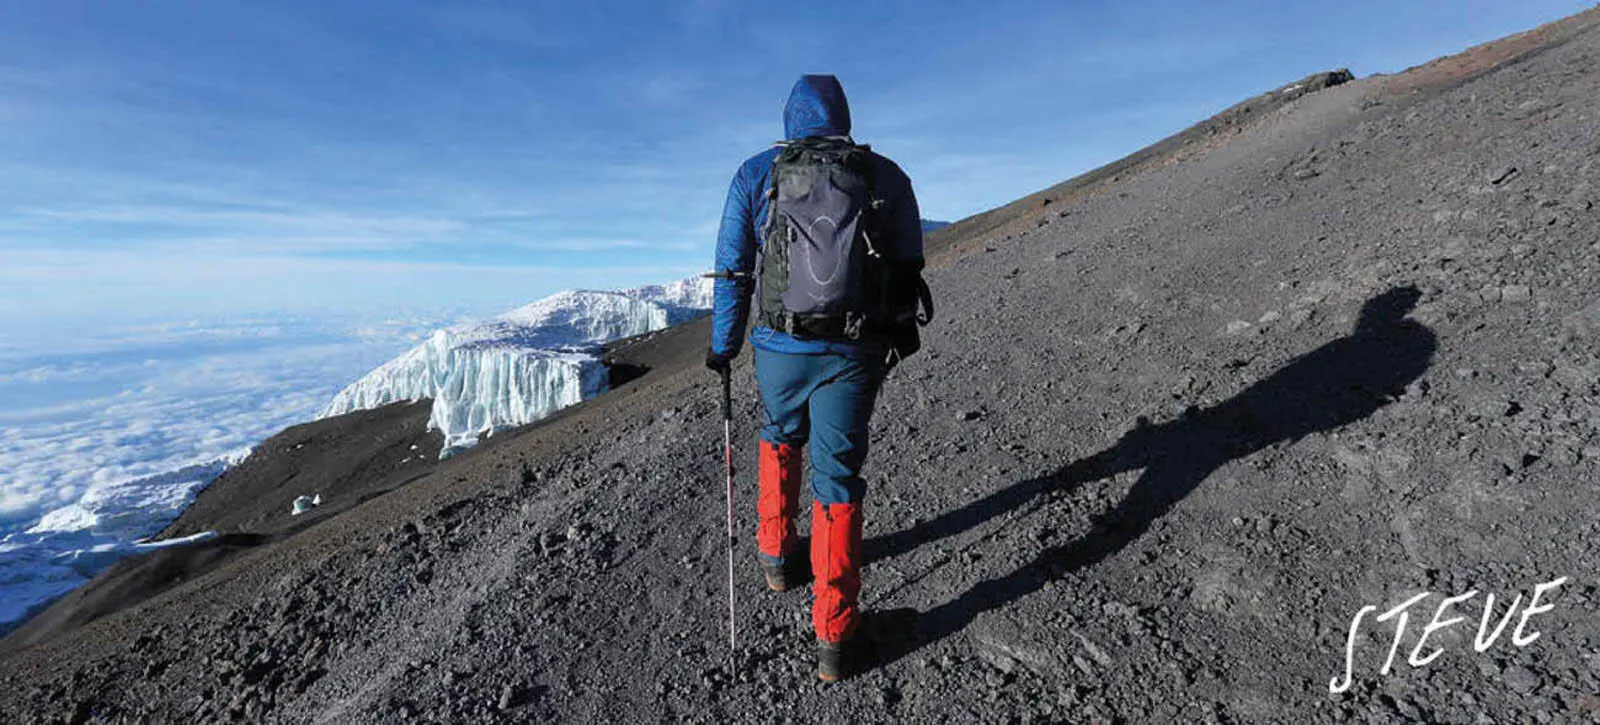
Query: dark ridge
pixel 346 460
pixel 1214 131
pixel 129 582
pixel 621 373
pixel 1429 79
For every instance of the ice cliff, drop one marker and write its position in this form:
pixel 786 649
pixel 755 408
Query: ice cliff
pixel 523 365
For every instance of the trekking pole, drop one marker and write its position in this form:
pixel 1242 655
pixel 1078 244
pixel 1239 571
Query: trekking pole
pixel 727 457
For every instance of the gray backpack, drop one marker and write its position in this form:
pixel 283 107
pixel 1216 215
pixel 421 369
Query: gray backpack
pixel 820 276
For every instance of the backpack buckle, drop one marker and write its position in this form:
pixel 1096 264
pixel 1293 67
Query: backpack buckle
pixel 852 326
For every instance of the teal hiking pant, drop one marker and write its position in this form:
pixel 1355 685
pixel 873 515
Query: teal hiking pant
pixel 823 401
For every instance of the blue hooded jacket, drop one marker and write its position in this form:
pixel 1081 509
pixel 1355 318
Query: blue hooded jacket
pixel 816 107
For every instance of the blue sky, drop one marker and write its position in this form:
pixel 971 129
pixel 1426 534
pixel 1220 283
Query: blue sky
pixel 180 160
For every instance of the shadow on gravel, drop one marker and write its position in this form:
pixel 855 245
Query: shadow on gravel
pixel 1339 383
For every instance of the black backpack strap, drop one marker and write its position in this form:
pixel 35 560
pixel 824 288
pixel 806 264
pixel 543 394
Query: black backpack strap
pixel 924 298
pixel 772 190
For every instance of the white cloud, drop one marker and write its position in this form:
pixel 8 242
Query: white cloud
pixel 146 415
pixel 306 225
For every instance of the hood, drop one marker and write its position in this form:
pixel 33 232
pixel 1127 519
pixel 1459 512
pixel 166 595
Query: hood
pixel 816 107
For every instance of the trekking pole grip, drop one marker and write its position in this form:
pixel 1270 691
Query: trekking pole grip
pixel 727 394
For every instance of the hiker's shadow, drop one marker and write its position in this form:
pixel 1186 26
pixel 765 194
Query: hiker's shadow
pixel 1341 382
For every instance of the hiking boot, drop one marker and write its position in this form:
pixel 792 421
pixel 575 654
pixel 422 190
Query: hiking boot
pixel 832 660
pixel 777 576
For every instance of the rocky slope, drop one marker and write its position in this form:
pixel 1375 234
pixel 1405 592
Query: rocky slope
pixel 1172 432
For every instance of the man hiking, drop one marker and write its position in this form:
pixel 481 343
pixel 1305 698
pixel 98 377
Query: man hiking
pixel 827 236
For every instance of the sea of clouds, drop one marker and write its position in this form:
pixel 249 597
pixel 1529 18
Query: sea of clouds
pixel 106 437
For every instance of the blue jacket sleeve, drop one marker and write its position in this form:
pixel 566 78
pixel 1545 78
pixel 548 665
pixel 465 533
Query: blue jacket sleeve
pixel 904 222
pixel 736 252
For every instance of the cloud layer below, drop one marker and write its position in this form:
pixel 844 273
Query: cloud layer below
pixel 105 440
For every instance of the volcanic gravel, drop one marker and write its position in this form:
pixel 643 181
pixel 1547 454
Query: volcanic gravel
pixel 1169 434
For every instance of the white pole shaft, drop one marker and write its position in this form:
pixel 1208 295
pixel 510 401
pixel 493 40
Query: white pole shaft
pixel 727 452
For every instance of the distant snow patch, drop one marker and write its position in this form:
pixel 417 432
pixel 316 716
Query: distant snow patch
pixel 303 504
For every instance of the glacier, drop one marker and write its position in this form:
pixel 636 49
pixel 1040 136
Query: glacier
pixel 521 366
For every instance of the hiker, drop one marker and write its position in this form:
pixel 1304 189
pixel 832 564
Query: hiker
pixel 827 236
